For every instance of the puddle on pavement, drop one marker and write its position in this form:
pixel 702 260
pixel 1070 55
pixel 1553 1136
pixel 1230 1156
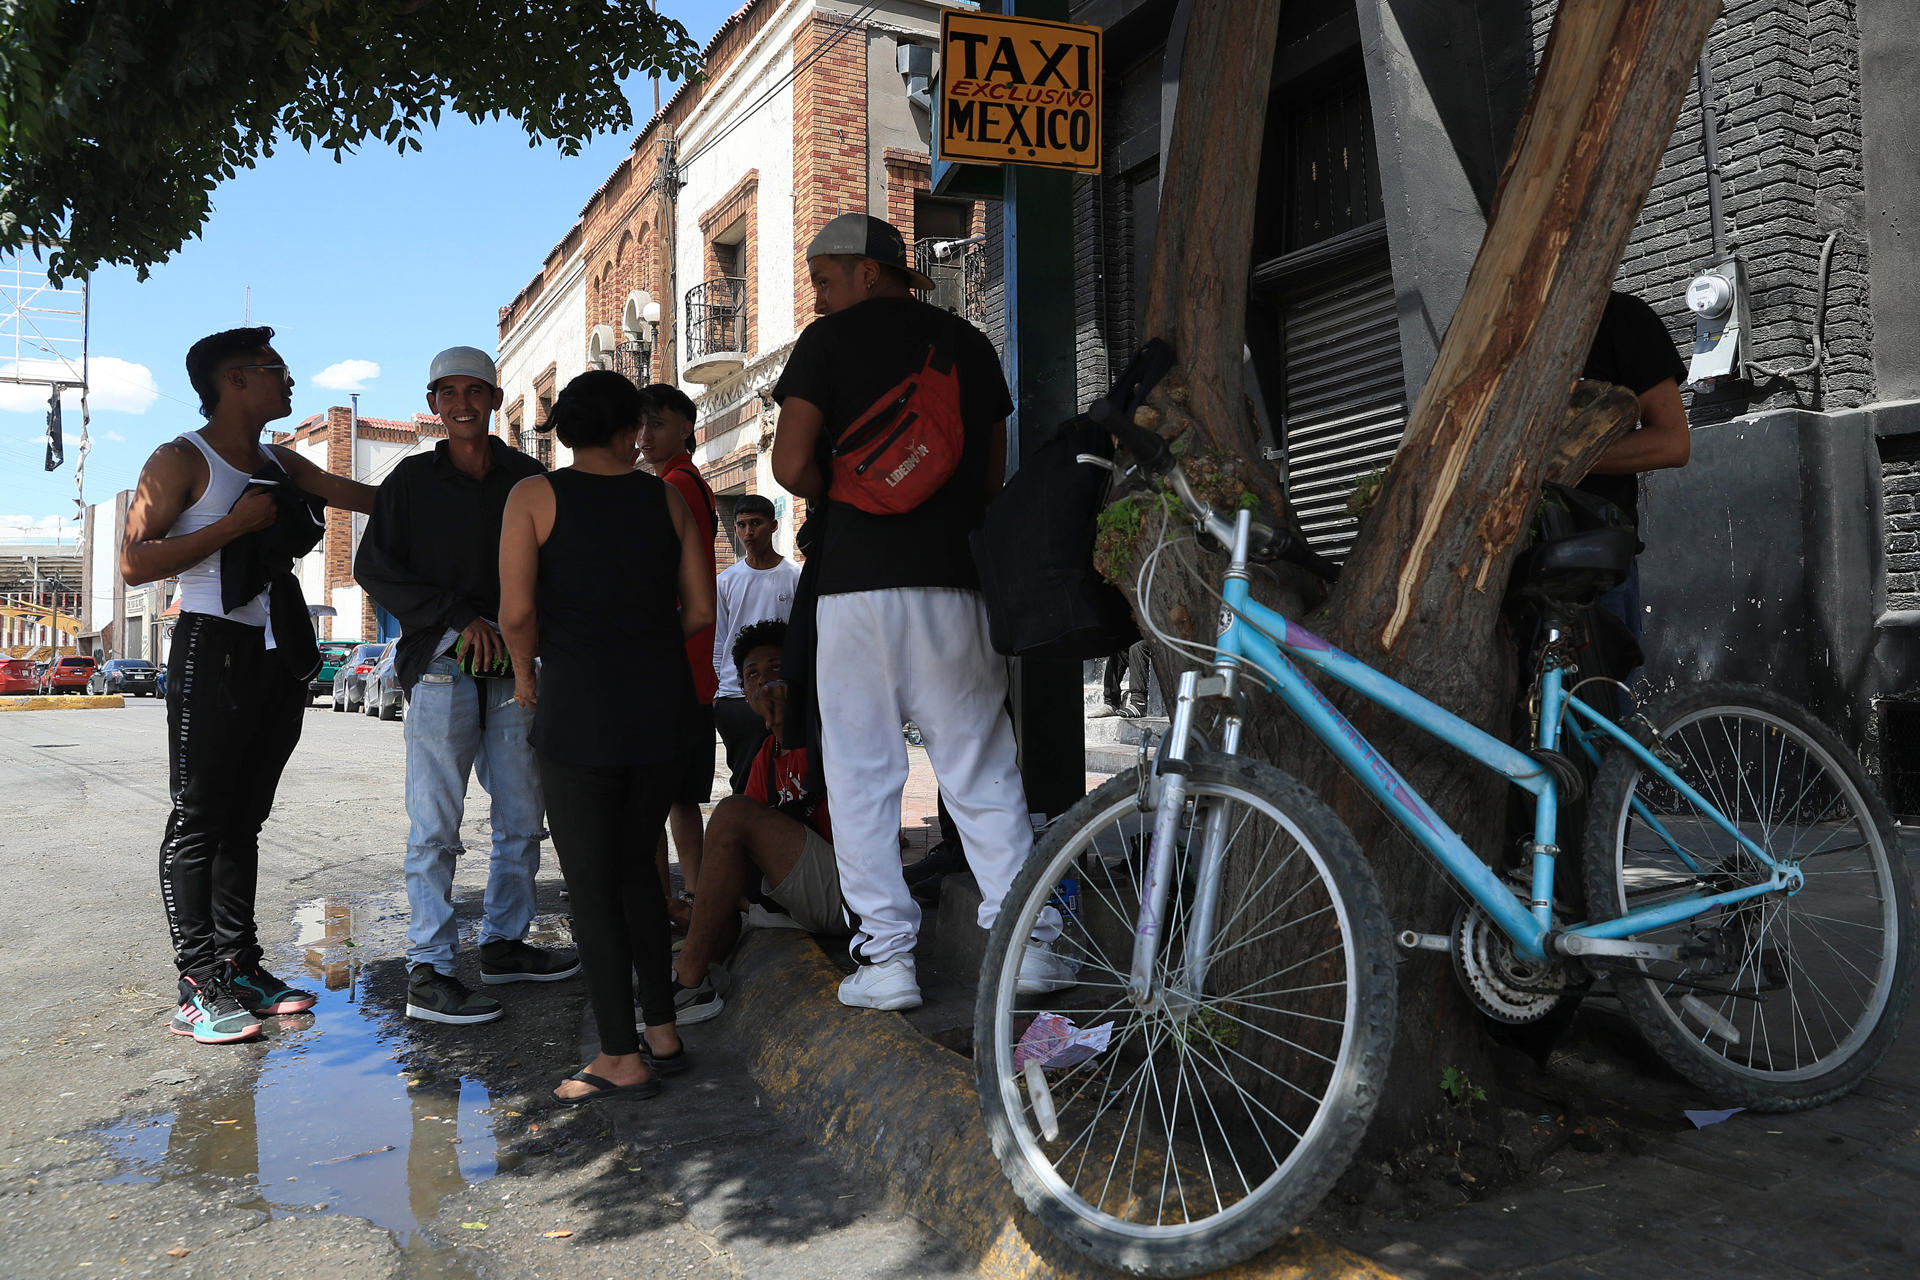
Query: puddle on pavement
pixel 332 1124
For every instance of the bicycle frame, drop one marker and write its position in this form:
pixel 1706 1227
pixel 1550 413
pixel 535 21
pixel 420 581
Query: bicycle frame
pixel 1258 641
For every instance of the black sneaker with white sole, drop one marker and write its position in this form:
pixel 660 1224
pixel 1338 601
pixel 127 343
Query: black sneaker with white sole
pixel 505 961
pixel 433 996
pixel 696 1005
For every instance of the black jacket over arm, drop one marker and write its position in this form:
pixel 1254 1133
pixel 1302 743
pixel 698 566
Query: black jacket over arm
pixel 431 554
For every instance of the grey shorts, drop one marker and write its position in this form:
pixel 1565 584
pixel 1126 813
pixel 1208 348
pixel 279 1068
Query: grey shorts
pixel 811 891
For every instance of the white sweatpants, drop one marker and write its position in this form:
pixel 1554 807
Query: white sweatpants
pixel 918 654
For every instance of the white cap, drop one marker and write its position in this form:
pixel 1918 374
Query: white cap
pixel 470 361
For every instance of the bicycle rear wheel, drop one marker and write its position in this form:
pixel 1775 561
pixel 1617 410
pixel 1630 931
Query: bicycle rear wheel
pixel 1801 993
pixel 1219 1114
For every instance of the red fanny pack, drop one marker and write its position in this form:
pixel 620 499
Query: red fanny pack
pixel 901 451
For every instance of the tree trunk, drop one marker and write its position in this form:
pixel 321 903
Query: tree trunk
pixel 1419 596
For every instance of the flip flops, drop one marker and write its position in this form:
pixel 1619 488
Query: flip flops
pixel 605 1089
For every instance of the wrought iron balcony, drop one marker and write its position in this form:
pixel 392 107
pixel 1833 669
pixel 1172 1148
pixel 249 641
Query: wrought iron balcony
pixel 716 328
pixel 634 362
pixel 959 275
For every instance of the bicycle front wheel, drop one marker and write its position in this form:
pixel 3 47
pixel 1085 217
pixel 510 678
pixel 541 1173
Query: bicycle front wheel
pixel 1221 1109
pixel 1786 1000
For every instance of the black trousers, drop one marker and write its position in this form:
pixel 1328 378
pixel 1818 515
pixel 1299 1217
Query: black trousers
pixel 234 714
pixel 1133 662
pixel 605 820
pixel 743 730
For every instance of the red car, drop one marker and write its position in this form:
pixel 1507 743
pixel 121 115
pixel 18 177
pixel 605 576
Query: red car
pixel 17 675
pixel 67 675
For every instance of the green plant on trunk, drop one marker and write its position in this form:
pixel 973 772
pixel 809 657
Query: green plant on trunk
pixel 1118 528
pixel 1366 492
pixel 1460 1088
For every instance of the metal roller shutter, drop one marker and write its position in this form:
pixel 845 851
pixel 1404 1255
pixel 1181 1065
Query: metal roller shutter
pixel 1346 402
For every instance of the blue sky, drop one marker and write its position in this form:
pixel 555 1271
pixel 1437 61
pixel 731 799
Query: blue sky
pixel 382 259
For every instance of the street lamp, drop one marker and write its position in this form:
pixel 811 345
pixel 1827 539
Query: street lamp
pixel 651 314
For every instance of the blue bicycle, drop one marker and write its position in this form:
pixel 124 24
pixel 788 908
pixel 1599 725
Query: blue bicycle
pixel 1214 1068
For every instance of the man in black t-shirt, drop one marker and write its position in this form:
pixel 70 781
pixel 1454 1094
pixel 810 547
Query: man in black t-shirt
pixel 1632 349
pixel 902 630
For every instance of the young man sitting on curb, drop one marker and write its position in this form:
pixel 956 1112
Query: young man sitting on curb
pixel 775 828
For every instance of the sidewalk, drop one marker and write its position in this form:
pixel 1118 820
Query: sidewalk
pixel 1621 1185
pixel 1827 1192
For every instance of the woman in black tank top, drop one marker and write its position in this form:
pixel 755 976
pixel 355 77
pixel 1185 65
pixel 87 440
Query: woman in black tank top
pixel 592 561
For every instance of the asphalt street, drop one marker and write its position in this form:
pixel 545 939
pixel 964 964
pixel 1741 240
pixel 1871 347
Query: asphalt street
pixel 351 1143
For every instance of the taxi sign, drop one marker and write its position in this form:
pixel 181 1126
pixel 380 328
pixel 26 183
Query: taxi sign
pixel 1019 91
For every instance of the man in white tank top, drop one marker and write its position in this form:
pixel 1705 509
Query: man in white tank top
pixel 233 707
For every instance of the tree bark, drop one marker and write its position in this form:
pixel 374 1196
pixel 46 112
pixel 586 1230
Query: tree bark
pixel 1420 594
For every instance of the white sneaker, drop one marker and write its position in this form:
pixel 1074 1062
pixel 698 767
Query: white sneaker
pixel 1041 971
pixel 758 917
pixel 891 984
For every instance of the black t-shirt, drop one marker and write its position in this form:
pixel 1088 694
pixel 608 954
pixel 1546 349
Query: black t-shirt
pixel 1631 349
pixel 844 362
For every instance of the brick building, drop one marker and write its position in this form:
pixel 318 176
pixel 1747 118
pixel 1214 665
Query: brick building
pixel 689 258
pixel 1788 552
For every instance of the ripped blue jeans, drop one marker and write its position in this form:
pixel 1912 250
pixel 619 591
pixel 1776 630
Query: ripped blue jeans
pixel 449 736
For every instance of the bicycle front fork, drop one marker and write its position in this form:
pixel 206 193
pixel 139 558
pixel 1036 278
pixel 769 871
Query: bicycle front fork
pixel 1150 926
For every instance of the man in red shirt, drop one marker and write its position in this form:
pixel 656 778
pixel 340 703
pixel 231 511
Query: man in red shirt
pixel 776 828
pixel 666 443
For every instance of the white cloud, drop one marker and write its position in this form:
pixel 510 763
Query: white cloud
pixel 118 385
pixel 38 527
pixel 348 375
pixel 116 437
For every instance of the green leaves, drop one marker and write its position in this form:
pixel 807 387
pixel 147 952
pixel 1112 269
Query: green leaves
pixel 118 117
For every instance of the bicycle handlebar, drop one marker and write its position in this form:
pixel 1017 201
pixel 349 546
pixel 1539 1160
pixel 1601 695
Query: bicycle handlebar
pixel 1147 447
pixel 1155 458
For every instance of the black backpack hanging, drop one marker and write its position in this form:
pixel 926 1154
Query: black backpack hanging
pixel 1034 552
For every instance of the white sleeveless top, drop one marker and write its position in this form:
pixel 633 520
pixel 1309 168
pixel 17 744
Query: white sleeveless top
pixel 200 584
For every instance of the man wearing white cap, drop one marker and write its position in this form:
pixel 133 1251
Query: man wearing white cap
pixel 902 630
pixel 431 557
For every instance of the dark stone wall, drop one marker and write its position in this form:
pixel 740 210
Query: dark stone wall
pixel 1889 53
pixel 1900 508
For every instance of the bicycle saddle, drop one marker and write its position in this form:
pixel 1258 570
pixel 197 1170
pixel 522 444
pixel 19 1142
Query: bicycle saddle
pixel 1576 569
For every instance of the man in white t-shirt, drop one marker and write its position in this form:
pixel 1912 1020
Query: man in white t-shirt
pixel 750 590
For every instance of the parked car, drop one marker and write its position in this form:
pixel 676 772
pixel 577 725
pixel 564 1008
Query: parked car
pixel 19 675
pixel 349 679
pixel 67 675
pixel 332 654
pixel 160 682
pixel 125 675
pixel 384 697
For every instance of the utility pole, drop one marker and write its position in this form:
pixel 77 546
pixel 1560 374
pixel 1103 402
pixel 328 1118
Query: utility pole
pixel 1037 225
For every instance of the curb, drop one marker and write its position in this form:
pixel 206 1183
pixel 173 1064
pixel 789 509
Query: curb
pixel 902 1110
pixel 67 702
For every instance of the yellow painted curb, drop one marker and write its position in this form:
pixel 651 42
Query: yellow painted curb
pixel 67 702
pixel 902 1110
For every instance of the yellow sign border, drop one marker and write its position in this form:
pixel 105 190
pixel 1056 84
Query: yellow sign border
pixel 975 153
